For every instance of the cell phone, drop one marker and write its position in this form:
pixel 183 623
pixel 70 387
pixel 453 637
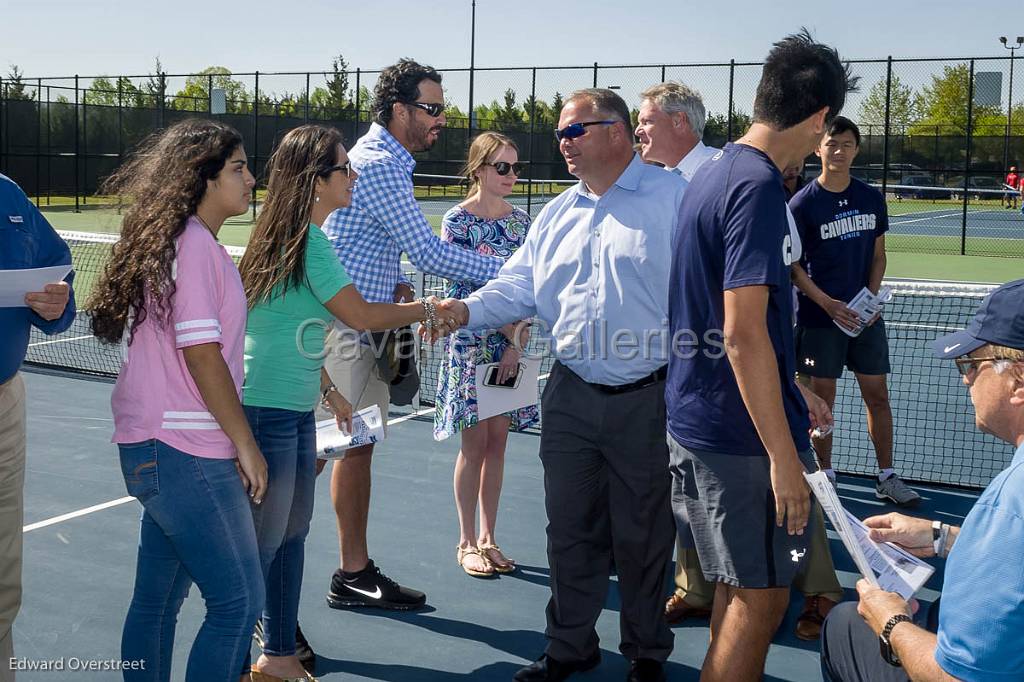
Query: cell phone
pixel 491 378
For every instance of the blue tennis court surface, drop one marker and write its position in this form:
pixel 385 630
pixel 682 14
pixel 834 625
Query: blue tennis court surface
pixel 79 568
pixel 947 221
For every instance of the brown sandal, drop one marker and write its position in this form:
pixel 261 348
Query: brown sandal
pixel 463 552
pixel 503 565
pixel 257 676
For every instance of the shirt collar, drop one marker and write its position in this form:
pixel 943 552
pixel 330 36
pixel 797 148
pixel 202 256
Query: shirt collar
pixel 628 180
pixel 689 163
pixel 391 145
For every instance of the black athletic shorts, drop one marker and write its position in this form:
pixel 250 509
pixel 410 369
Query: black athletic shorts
pixel 823 351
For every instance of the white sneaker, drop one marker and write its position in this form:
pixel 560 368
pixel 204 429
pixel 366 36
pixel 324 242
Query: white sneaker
pixel 894 489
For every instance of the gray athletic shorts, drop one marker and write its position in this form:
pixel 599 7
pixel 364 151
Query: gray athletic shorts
pixel 730 509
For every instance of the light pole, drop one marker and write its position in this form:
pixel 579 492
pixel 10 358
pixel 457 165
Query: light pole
pixel 472 64
pixel 1009 103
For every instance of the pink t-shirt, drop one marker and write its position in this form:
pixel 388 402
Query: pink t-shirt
pixel 155 396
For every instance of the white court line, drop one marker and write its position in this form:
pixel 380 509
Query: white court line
pixel 46 343
pixel 124 500
pixel 917 220
pixel 76 514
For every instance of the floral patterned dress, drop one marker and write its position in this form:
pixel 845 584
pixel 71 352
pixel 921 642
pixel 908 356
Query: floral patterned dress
pixel 455 407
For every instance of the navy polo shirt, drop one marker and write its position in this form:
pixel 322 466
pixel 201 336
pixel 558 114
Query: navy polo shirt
pixel 26 241
pixel 838 231
pixel 733 232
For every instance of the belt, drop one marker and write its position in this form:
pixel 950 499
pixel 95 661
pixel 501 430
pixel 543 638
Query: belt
pixel 649 380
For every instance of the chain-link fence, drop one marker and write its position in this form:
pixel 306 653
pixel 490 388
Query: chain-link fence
pixel 939 135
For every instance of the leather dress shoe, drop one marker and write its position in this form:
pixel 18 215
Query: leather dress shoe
pixel 808 624
pixel 677 609
pixel 646 670
pixel 547 669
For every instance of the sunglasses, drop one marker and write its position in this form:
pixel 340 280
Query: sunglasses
pixel 432 108
pixel 571 132
pixel 504 167
pixel 345 168
pixel 968 365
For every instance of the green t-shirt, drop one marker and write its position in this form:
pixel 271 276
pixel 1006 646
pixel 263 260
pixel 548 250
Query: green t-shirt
pixel 282 363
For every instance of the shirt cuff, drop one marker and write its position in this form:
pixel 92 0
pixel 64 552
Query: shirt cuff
pixel 476 312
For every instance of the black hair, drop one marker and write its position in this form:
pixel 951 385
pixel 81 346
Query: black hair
pixel 800 77
pixel 399 83
pixel 605 103
pixel 840 125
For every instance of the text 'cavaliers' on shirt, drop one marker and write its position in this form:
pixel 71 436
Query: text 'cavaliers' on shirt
pixel 733 232
pixel 838 231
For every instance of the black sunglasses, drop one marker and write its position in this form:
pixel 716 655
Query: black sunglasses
pixel 966 365
pixel 503 167
pixel 571 132
pixel 345 168
pixel 432 108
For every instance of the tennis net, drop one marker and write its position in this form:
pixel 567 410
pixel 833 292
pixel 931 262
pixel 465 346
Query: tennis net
pixel 935 436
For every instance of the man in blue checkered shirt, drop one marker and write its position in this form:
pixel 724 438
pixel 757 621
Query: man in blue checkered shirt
pixel 383 222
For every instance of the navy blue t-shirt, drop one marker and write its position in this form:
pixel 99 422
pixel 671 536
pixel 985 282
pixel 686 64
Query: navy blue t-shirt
pixel 838 231
pixel 733 232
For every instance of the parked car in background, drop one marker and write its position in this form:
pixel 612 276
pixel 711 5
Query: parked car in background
pixel 988 186
pixel 920 187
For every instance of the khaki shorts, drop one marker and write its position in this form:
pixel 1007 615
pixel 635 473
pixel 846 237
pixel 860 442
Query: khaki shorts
pixel 352 367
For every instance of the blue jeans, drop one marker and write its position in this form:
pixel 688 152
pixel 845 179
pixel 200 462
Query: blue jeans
pixel 288 441
pixel 196 526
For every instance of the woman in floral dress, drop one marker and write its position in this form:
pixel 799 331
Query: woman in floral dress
pixel 488 224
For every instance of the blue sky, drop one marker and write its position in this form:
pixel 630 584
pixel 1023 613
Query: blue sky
pixel 62 37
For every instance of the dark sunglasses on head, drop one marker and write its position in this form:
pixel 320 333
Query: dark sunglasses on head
pixel 345 168
pixel 432 108
pixel 503 167
pixel 571 132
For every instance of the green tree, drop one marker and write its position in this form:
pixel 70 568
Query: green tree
pixel 507 114
pixel 904 105
pixel 102 92
pixel 337 84
pixel 943 104
pixel 195 96
pixel 540 111
pixel 14 85
pixel 556 105
pixel 716 127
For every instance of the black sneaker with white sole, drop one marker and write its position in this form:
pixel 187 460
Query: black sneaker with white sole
pixel 303 651
pixel 370 587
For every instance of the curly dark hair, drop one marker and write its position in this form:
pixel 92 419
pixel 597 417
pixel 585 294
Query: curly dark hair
pixel 159 187
pixel 399 83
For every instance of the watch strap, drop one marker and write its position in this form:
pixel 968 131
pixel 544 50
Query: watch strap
pixel 888 654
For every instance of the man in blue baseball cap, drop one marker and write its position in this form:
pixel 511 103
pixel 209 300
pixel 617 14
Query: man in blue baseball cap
pixel 979 627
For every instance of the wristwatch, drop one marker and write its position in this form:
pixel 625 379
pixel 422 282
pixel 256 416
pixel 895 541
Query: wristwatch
pixel 326 392
pixel 888 655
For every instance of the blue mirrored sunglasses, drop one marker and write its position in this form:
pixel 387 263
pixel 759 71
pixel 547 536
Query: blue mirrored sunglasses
pixel 571 132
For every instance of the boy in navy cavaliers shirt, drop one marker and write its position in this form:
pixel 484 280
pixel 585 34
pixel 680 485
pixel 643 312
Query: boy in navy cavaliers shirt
pixel 842 223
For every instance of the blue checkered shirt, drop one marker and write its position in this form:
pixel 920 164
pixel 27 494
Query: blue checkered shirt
pixel 384 221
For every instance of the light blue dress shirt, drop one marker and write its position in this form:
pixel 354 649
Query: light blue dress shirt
pixel 594 271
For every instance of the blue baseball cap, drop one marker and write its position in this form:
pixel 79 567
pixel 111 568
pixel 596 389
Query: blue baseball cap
pixel 999 320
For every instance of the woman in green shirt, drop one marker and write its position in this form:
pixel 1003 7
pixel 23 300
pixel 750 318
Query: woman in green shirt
pixel 296 287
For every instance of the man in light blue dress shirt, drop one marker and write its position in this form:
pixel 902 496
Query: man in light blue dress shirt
pixel 594 271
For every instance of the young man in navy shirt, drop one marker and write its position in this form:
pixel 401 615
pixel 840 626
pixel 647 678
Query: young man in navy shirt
pixel 842 223
pixel 738 422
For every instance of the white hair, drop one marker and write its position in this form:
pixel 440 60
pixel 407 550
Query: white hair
pixel 675 98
